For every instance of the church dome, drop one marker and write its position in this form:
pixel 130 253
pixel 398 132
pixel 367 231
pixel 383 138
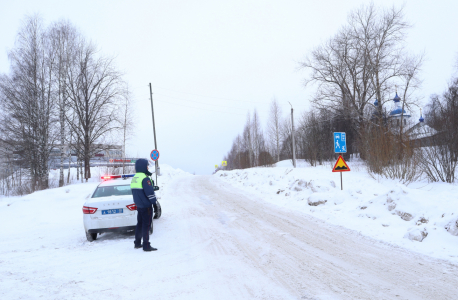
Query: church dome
pixel 398 111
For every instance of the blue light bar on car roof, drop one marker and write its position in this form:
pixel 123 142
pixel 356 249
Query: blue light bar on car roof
pixel 127 175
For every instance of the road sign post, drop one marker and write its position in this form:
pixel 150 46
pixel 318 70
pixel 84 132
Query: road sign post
pixel 341 166
pixel 340 146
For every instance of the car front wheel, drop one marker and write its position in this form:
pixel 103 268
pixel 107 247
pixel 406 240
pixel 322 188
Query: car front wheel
pixel 151 229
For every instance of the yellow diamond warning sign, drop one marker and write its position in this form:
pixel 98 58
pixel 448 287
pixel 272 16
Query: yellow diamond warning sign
pixel 341 165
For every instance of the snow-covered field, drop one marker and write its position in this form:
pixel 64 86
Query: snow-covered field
pixel 380 208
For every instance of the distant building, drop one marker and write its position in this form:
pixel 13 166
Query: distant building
pixel 422 134
pixel 398 114
pixel 419 132
pixel 102 157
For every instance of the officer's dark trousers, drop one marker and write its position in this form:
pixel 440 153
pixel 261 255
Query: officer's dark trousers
pixel 144 219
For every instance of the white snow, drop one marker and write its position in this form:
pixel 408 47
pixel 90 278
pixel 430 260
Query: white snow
pixel 420 216
pixel 214 243
pixel 44 251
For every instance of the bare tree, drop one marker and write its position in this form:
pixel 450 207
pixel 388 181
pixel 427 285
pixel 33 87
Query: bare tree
pixel 410 83
pixel 309 138
pixel 286 151
pixel 94 88
pixel 273 128
pixel 248 141
pixel 60 92
pixel 126 121
pixel 381 33
pixel 363 61
pixel 62 36
pixel 440 156
pixel 258 142
pixel 70 149
pixel 29 99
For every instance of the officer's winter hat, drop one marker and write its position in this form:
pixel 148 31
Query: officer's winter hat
pixel 141 166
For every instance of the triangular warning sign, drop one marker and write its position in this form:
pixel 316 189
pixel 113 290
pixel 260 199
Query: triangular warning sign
pixel 341 165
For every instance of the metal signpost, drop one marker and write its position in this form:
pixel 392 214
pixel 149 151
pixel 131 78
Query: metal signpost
pixel 340 146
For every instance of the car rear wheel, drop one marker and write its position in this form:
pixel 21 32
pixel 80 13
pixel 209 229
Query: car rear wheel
pixel 151 229
pixel 91 236
pixel 158 210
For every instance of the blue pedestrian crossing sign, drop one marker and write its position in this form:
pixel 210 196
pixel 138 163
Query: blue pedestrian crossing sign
pixel 340 142
pixel 154 155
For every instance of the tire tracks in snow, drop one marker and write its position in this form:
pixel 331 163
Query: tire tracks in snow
pixel 306 256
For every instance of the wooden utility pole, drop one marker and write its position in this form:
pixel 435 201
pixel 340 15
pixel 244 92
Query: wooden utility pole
pixel 157 168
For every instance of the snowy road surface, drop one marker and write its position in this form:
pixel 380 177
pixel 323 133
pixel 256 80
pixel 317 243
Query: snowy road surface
pixel 214 242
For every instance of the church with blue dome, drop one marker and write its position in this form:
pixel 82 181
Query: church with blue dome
pixel 419 132
pixel 398 113
pixel 395 115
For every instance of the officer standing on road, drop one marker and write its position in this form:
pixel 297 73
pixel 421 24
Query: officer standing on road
pixel 144 198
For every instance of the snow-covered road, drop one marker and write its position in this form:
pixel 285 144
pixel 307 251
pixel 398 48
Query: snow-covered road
pixel 307 257
pixel 214 242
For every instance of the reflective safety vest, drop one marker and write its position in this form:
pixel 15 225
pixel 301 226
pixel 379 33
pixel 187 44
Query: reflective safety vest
pixel 137 180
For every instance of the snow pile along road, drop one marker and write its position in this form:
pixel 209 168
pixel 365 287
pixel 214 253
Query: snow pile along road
pixel 421 216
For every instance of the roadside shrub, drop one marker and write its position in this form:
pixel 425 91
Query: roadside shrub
pixel 390 154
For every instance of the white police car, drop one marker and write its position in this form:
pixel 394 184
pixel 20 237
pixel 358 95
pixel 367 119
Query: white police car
pixel 111 207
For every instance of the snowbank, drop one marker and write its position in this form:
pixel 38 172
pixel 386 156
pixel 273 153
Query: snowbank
pixel 421 216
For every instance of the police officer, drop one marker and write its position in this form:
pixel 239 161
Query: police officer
pixel 144 198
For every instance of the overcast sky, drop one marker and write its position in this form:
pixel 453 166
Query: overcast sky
pixel 212 62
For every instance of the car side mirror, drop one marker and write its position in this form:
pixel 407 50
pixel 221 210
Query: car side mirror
pixel 156 188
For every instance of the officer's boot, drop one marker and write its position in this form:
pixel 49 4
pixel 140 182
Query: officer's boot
pixel 148 248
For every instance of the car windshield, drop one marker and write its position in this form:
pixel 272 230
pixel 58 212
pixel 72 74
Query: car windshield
pixel 107 191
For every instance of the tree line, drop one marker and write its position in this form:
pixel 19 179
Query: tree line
pixel 357 72
pixel 60 90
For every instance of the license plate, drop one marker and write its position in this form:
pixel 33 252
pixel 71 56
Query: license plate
pixel 112 211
